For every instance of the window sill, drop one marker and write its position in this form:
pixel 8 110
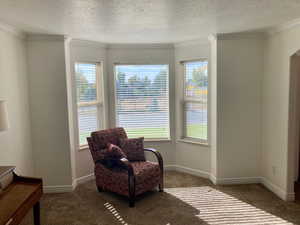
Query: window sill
pixel 193 142
pixel 86 147
pixel 83 147
pixel 158 140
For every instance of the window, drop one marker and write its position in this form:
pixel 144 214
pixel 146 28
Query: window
pixel 195 100
pixel 89 99
pixel 142 100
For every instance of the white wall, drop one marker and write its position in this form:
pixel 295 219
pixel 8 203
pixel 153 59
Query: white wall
pixel 71 105
pixel 250 100
pixel 148 54
pixel 213 107
pixel 49 109
pixel 238 85
pixel 87 51
pixel 240 101
pixel 187 155
pixel 235 108
pixel 277 160
pixel 237 100
pixel 294 114
pixel 15 144
pixel 193 156
pixel 239 72
pixel 244 106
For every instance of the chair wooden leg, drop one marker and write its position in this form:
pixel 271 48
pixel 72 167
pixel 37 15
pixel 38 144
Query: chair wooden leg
pixel 36 214
pixel 131 187
pixel 161 187
pixel 161 183
pixel 100 189
pixel 131 202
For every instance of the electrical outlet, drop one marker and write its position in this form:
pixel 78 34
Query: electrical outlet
pixel 274 170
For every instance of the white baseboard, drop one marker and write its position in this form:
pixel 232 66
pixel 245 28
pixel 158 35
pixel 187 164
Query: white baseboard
pixel 83 179
pixel 170 167
pixel 68 188
pixel 240 180
pixel 278 190
pixel 217 181
pixel 213 179
pixel 290 197
pixel 58 189
pixel 187 170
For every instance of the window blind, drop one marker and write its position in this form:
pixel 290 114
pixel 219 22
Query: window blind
pixel 142 100
pixel 88 100
pixel 195 100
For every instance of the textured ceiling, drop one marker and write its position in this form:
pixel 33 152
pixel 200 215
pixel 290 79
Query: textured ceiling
pixel 145 21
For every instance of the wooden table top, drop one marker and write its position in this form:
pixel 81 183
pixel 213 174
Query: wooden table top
pixel 16 195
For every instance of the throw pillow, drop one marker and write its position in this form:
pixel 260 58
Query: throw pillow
pixel 133 148
pixel 114 152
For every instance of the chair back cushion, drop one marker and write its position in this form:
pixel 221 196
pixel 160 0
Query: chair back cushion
pixel 97 155
pixel 133 148
pixel 110 136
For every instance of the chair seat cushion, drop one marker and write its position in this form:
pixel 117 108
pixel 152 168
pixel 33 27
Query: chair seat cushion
pixel 147 176
pixel 133 148
pixel 145 170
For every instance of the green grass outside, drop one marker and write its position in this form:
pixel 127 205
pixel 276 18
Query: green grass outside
pixel 197 131
pixel 148 132
pixel 134 133
pixel 194 131
pixel 82 138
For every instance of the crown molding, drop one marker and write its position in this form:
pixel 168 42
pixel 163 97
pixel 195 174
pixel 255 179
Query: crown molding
pixel 96 44
pixel 46 37
pixel 87 43
pixel 282 27
pixel 140 46
pixel 241 35
pixel 212 37
pixel 204 41
pixel 12 30
pixel 68 40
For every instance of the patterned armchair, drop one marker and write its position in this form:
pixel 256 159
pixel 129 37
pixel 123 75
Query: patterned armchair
pixel 127 178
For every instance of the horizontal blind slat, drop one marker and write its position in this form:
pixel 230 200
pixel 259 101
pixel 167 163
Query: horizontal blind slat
pixel 87 99
pixel 142 105
pixel 196 88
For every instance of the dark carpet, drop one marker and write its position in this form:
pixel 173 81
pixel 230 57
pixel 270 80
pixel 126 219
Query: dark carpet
pixel 187 200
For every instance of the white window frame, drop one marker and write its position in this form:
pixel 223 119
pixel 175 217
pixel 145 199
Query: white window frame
pixel 115 97
pixel 187 100
pixel 98 103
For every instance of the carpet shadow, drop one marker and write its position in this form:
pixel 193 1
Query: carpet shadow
pixel 153 207
pixel 187 200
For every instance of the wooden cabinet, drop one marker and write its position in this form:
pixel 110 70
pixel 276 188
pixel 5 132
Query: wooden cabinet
pixel 18 198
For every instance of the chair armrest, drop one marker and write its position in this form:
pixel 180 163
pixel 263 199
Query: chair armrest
pixel 158 156
pixel 127 165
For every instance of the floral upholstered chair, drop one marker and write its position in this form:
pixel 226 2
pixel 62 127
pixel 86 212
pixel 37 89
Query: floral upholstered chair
pixel 129 174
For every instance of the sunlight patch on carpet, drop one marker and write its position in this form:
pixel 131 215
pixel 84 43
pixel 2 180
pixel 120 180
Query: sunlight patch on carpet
pixel 115 213
pixel 218 208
